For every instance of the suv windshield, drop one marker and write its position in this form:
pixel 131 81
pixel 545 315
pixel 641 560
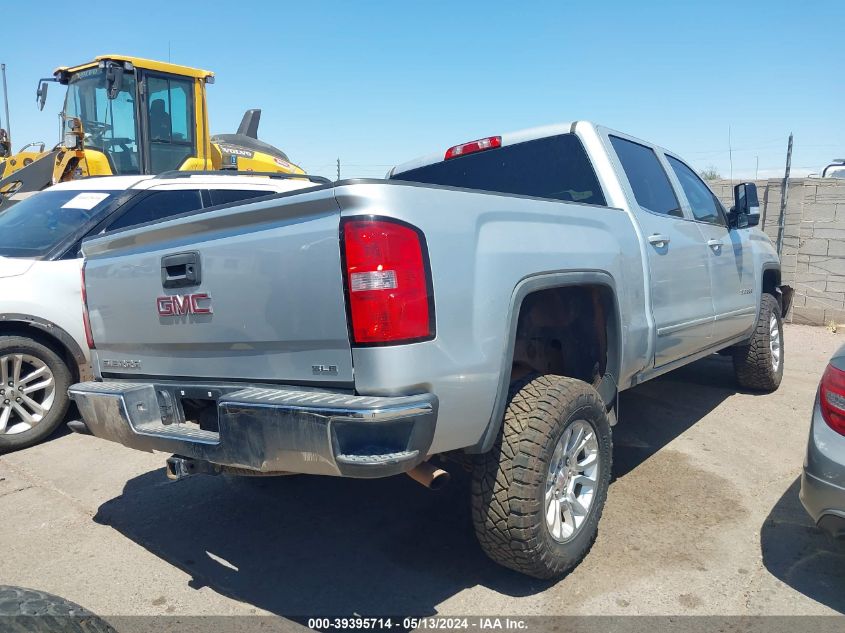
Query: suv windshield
pixel 35 226
pixel 109 124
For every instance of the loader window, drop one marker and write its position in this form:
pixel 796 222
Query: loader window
pixel 170 116
pixel 110 125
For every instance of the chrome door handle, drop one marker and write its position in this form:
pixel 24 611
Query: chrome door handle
pixel 714 244
pixel 659 241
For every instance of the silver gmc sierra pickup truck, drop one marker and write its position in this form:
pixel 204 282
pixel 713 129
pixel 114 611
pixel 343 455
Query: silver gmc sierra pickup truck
pixel 485 304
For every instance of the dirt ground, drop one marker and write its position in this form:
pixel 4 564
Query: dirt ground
pixel 703 517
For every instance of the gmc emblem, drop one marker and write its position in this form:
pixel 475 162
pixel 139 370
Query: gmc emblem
pixel 181 305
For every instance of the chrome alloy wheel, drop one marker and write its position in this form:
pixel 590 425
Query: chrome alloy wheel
pixel 572 480
pixel 774 341
pixel 27 391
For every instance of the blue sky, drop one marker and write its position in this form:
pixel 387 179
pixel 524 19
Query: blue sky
pixel 377 83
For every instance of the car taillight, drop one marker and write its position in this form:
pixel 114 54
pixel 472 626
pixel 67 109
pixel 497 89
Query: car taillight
pixel 388 282
pixel 832 398
pixel 491 142
pixel 86 322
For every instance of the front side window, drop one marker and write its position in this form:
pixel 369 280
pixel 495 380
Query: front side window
pixel 648 180
pixel 110 125
pixel 554 167
pixel 702 201
pixel 159 205
pixel 35 226
pixel 169 112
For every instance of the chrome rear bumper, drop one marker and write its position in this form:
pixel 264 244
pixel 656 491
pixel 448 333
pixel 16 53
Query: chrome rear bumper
pixel 267 429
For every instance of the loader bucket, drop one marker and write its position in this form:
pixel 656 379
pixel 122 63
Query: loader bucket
pixel 34 177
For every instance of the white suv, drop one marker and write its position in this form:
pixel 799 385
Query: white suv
pixel 42 338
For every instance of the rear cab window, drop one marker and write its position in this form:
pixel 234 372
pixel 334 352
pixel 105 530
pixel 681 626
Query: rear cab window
pixel 648 180
pixel 555 167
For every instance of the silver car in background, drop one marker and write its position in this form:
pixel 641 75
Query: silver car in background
pixel 823 479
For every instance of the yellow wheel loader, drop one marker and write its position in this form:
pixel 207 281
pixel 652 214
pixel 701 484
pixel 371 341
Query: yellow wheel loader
pixel 127 115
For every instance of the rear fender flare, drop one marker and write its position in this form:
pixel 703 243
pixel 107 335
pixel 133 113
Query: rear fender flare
pixel 608 387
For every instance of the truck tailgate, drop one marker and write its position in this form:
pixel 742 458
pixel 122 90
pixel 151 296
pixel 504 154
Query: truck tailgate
pixel 268 305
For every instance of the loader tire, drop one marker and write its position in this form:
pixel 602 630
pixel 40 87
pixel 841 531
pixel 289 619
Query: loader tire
pixel 758 365
pixel 521 484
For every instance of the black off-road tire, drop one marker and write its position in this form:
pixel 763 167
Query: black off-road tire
pixel 31 611
pixel 753 362
pixel 509 482
pixel 58 410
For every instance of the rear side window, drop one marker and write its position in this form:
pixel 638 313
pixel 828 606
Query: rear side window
pixel 554 167
pixel 702 201
pixel 649 181
pixel 157 206
pixel 225 196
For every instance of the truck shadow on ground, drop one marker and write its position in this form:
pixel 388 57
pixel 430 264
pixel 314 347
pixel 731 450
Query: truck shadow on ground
pixel 800 555
pixel 300 546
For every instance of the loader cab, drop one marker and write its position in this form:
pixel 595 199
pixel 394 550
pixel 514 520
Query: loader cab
pixel 137 116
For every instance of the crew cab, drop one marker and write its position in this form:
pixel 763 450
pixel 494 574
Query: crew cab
pixel 485 304
pixel 42 340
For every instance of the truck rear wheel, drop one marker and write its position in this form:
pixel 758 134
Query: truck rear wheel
pixel 29 611
pixel 538 495
pixel 759 364
pixel 33 392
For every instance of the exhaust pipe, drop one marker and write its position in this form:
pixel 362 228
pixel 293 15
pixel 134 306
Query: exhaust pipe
pixel 78 426
pixel 429 476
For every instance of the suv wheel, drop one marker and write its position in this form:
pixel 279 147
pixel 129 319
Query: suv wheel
pixel 538 495
pixel 759 364
pixel 33 392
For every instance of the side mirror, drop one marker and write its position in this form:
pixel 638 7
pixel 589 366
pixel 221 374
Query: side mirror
pixel 746 209
pixel 114 81
pixel 41 93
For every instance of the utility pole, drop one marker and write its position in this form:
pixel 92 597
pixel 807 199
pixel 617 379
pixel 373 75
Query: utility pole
pixel 6 101
pixel 784 195
pixel 730 153
pixel 338 169
pixel 756 166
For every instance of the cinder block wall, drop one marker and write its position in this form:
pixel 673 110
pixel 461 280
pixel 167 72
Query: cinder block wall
pixel 813 256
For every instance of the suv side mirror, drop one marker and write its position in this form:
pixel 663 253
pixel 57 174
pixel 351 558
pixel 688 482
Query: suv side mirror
pixel 746 209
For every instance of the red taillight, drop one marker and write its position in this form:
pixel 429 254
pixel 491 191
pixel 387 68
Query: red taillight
pixel 387 282
pixel 832 398
pixel 86 322
pixel 491 142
